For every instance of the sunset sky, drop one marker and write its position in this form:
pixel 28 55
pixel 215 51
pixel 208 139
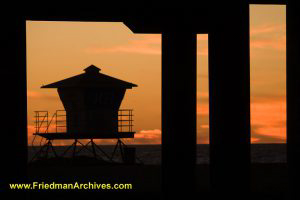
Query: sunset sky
pixel 58 50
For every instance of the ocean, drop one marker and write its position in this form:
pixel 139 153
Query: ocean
pixel 151 154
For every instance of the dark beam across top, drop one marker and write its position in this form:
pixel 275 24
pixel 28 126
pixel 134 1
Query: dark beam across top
pixel 268 2
pixel 150 20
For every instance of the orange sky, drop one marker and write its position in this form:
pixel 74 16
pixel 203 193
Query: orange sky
pixel 57 50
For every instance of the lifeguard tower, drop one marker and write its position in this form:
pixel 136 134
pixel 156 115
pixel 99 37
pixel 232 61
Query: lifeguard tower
pixel 92 111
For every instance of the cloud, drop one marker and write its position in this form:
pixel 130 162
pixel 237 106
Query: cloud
pixel 255 140
pixel 269 43
pixel 266 98
pixel 262 37
pixel 31 129
pixel 142 137
pixel 268 120
pixel 268 37
pixel 262 138
pixel 203 132
pixel 202 108
pixel 202 76
pixel 148 137
pixel 149 45
pixel 266 29
pixel 203 51
pixel 202 45
pixel 202 37
pixel 38 95
pixel 202 94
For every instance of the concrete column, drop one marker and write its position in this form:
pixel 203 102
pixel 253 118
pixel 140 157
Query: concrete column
pixel 293 94
pixel 178 112
pixel 229 99
pixel 14 99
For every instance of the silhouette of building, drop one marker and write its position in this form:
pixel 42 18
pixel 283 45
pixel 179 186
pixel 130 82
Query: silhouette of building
pixel 92 103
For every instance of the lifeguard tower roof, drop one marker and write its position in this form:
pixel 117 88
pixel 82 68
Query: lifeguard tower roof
pixel 91 78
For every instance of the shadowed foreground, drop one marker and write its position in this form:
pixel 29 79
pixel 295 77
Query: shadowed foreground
pixel 269 181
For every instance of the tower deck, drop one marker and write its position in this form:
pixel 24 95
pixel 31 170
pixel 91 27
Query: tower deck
pixel 69 136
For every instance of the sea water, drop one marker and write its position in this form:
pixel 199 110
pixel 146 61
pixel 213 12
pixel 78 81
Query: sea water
pixel 151 154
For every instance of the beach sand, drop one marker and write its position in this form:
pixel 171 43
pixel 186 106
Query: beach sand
pixel 268 173
pixel 268 180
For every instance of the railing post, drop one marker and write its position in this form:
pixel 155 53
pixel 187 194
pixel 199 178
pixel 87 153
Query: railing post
pixel 56 120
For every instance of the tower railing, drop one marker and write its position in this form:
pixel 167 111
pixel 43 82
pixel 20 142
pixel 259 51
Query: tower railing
pixel 43 125
pixel 125 120
pixel 41 121
pixel 58 122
